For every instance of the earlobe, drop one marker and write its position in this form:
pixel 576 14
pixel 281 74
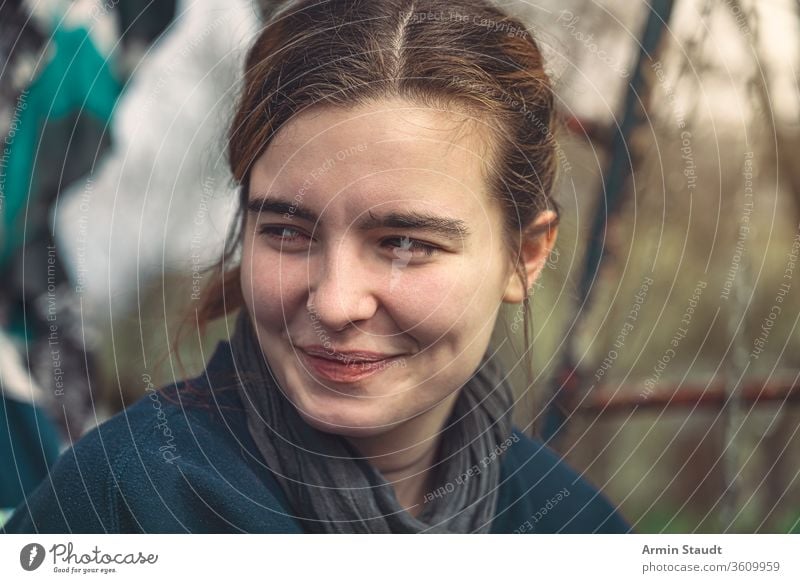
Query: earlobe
pixel 535 248
pixel 515 292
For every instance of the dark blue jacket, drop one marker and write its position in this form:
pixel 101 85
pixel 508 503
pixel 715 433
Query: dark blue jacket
pixel 28 447
pixel 182 460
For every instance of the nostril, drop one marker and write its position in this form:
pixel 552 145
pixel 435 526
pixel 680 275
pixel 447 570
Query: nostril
pixel 336 308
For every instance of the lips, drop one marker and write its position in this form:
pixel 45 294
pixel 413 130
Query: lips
pixel 346 367
pixel 346 356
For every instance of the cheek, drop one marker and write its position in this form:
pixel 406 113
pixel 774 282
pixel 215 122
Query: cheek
pixel 453 300
pixel 272 286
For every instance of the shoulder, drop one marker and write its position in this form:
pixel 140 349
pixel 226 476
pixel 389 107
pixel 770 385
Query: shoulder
pixel 161 465
pixel 541 493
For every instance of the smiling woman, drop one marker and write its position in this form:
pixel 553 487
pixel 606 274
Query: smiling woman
pixel 395 174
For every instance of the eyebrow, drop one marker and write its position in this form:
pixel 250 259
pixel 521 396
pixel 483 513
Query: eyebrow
pixel 445 227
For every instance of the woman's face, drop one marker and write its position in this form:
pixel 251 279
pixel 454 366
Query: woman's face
pixel 373 265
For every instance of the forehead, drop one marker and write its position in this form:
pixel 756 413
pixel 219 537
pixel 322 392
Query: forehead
pixel 379 153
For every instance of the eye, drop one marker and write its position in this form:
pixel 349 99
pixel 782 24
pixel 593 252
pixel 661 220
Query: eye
pixel 282 234
pixel 402 244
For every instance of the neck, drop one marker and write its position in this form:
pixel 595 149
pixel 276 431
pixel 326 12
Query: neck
pixel 406 453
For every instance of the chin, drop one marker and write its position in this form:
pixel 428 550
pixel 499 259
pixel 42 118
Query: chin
pixel 348 419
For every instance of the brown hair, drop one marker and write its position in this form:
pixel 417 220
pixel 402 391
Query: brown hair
pixel 462 53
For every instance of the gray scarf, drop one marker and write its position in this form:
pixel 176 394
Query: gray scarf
pixel 333 489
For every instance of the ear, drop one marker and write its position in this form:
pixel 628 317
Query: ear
pixel 535 247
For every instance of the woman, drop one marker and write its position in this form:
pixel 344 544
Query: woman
pixel 395 160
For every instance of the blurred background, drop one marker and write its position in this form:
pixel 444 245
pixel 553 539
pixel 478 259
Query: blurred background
pixel 664 361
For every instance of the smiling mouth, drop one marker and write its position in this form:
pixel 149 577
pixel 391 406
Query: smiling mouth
pixel 349 356
pixel 347 370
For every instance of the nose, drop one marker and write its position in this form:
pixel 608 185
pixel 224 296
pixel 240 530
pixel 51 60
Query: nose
pixel 341 292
